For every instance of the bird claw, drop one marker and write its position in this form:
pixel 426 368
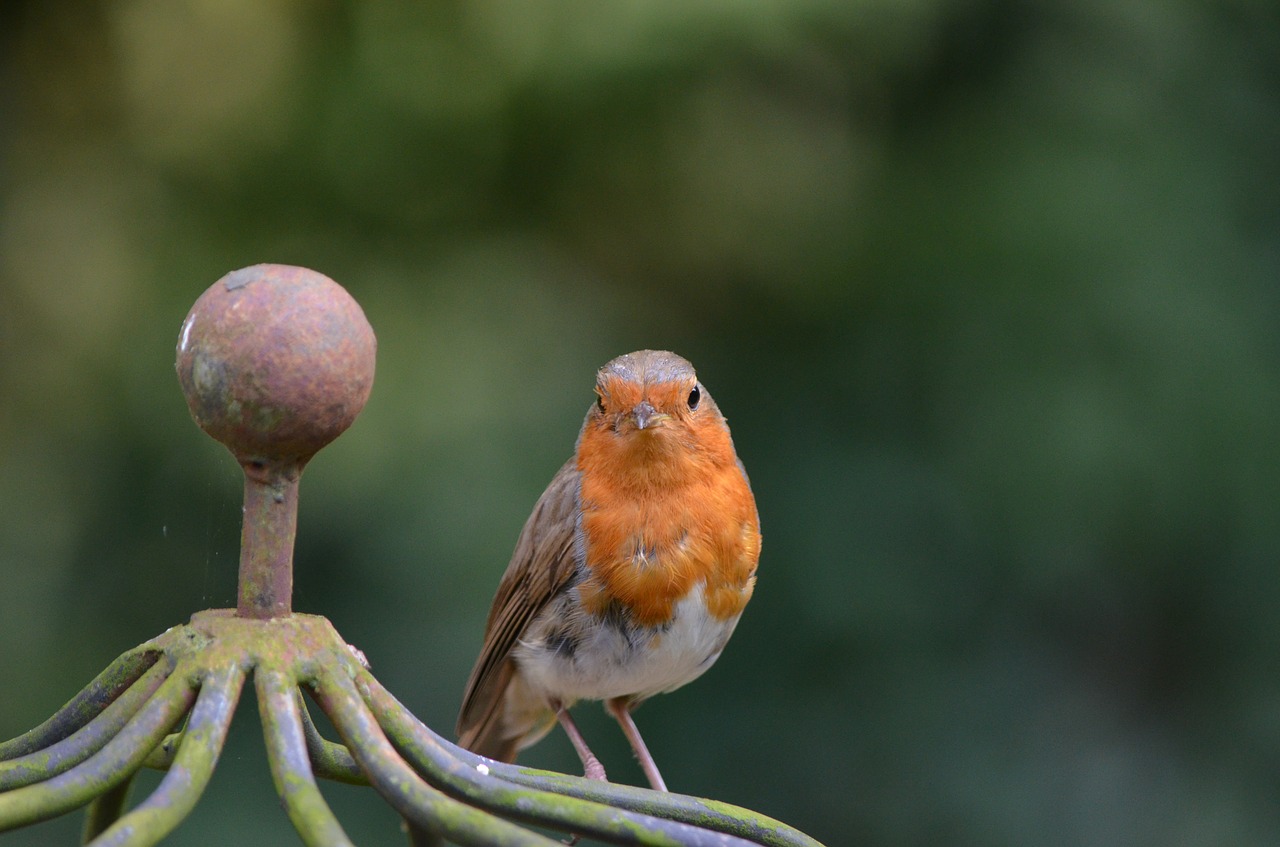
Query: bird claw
pixel 594 770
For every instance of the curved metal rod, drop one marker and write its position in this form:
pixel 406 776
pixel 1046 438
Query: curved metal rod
pixel 89 739
pixel 108 767
pixel 290 766
pixel 414 799
pixel 177 793
pixel 86 705
pixel 105 809
pixel 419 837
pixel 161 758
pixel 330 760
pixel 697 811
pixel 710 814
pixel 433 753
pixel 583 817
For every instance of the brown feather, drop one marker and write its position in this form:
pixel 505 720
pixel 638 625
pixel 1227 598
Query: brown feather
pixel 541 566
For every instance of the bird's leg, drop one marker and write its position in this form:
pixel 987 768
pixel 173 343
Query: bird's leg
pixel 590 764
pixel 620 708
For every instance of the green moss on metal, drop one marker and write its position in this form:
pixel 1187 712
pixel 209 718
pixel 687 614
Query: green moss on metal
pixel 429 781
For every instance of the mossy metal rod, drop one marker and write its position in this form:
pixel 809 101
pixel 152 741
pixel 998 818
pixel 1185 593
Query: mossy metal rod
pixel 290 765
pixel 266 539
pixel 105 769
pixel 105 809
pixel 89 739
pixel 86 705
pixel 419 837
pixel 176 795
pixel 722 817
pixel 330 760
pixel 408 794
pixel 162 756
pixel 711 814
pixel 431 755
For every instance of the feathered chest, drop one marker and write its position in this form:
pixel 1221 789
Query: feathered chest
pixel 649 541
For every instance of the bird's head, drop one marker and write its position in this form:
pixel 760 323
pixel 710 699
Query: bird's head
pixel 650 408
pixel 650 392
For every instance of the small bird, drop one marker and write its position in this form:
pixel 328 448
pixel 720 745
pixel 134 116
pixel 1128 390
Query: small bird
pixel 630 574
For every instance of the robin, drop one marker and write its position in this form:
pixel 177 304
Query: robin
pixel 631 573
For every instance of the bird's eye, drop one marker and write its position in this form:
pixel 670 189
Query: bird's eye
pixel 600 402
pixel 694 396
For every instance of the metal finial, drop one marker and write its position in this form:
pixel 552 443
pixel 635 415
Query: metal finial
pixel 275 362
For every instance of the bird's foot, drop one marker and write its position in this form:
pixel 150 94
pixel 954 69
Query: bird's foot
pixel 593 769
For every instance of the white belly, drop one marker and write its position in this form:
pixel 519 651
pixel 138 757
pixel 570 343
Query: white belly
pixel 605 660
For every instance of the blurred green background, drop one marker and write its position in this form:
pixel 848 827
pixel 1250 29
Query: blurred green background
pixel 989 292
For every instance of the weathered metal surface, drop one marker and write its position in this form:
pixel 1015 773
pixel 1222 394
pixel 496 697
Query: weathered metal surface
pixel 398 783
pixel 176 795
pixel 275 362
pixel 435 785
pixel 290 765
pixel 105 809
pixel 267 534
pixel 107 768
pixel 436 759
pixel 696 811
pixel 63 755
pixel 86 705
pixel 330 761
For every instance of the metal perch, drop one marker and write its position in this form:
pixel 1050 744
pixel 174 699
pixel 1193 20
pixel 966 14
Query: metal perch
pixel 276 362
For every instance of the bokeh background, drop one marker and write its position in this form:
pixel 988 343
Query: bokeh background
pixel 988 290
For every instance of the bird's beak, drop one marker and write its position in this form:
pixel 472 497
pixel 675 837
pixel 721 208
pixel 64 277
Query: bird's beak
pixel 644 415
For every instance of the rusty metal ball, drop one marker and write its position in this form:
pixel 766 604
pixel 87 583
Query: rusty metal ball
pixel 275 362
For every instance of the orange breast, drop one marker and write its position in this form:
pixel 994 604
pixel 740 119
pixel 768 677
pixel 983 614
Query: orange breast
pixel 661 520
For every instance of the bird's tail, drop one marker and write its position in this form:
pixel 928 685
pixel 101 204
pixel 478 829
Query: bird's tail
pixel 486 740
pixel 503 720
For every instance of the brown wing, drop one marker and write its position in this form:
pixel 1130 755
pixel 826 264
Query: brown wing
pixel 541 566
